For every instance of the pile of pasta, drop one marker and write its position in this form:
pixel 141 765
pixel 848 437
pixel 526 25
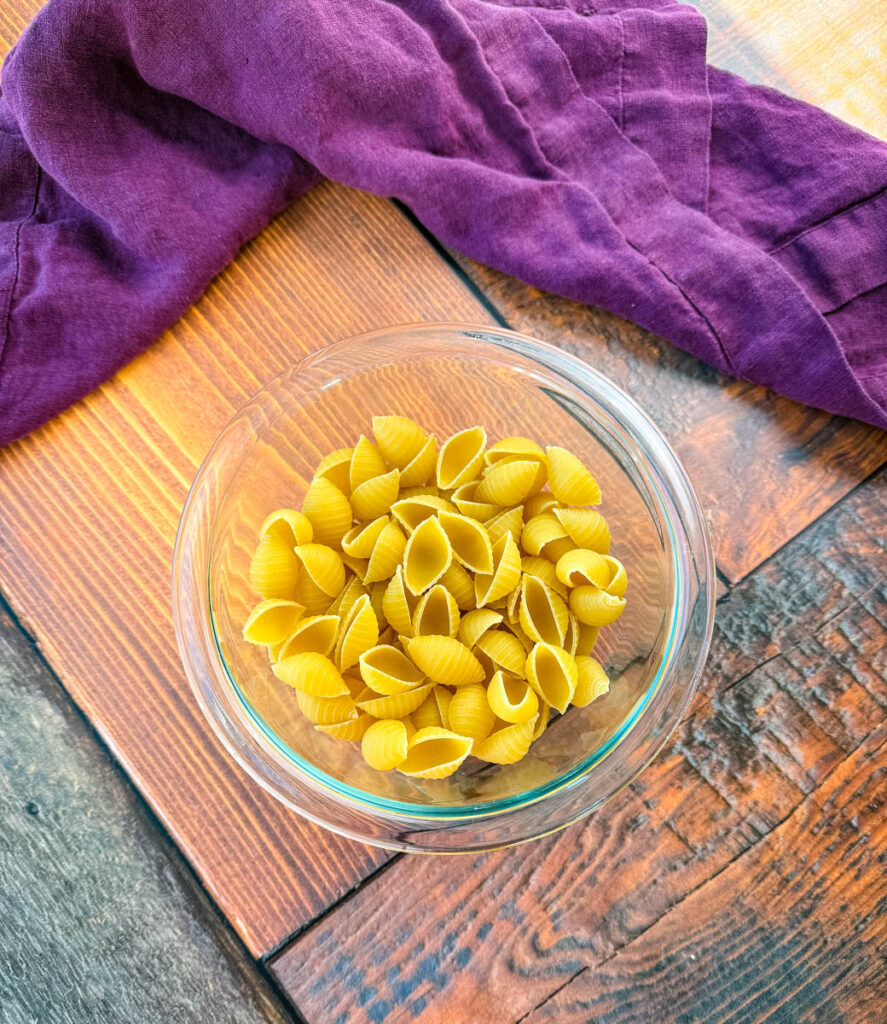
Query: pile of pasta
pixel 433 605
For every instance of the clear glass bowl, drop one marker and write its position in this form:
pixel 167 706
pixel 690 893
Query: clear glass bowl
pixel 447 377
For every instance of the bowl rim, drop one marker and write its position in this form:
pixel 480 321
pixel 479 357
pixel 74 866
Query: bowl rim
pixel 661 458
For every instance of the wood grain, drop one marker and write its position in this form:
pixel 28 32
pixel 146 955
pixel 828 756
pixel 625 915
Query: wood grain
pixel 100 919
pixel 768 730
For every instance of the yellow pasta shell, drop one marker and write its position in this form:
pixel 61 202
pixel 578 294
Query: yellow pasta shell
pixel 466 501
pixel 593 681
pixel 525 641
pixel 470 714
pixel 366 463
pixel 475 623
pixel 618 581
pixel 586 527
pixel 445 660
pixel 553 674
pixel 469 540
pixel 398 604
pixel 412 511
pixel 399 438
pixel 289 526
pixel 514 447
pixel 396 705
pixel 315 600
pixel 435 753
pixel 316 633
pixel 461 457
pixel 512 699
pixel 595 607
pixel 544 570
pixel 508 483
pixel 541 721
pixel 336 467
pixel 582 567
pixel 460 584
pixel 571 637
pixel 274 569
pixel 347 598
pixel 427 714
pixel 416 492
pixel 570 482
pixel 384 744
pixel 506 573
pixel 357 633
pixel 539 531
pixel 508 745
pixel 388 671
pixel 324 566
pixel 504 650
pixel 543 615
pixel 360 540
pixel 539 503
pixel 421 469
pixel 272 621
pixel 587 638
pixel 554 550
pixel 436 613
pixel 311 673
pixel 427 556
pixel 356 565
pixel 326 710
pixel 374 497
pixel 350 731
pixel 509 520
pixel 328 511
pixel 386 555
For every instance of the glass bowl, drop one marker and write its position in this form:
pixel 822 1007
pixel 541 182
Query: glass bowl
pixel 447 377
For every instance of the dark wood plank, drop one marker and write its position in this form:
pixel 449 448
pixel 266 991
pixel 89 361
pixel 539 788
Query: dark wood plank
pixel 100 919
pixel 795 930
pixel 768 729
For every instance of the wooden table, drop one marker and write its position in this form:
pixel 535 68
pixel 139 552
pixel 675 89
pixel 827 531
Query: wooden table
pixel 741 878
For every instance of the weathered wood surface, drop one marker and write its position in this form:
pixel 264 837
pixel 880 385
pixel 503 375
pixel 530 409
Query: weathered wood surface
pixel 796 685
pixel 100 919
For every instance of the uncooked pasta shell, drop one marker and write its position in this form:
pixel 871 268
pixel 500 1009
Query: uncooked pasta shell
pixel 469 540
pixel 388 671
pixel 469 712
pixel 384 745
pixel 328 511
pixel 508 745
pixel 274 569
pixel 399 438
pixel 311 673
pixel 595 607
pixel 553 674
pixel 288 525
pixel 375 496
pixel 427 556
pixel 435 753
pixel 436 613
pixel 445 660
pixel 272 621
pixel 570 482
pixel 461 457
pixel 593 681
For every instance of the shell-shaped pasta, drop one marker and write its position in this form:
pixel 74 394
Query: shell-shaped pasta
pixel 316 633
pixel 445 660
pixel 511 447
pixel 508 483
pixel 435 753
pixel 571 637
pixel 595 607
pixel 618 581
pixel 543 615
pixel 539 503
pixel 328 511
pixel 436 613
pixel 272 621
pixel 311 673
pixel 470 714
pixel 324 566
pixel 461 457
pixel 460 584
pixel 366 463
pixel 274 569
pixel 399 438
pixel 504 650
pixel 388 671
pixel 428 713
pixel 360 540
pixel 505 576
pixel 427 556
pixel 377 599
pixel 509 520
pixel 397 705
pixel 444 698
pixel 416 492
pixel 553 674
pixel 582 567
pixel 384 744
pixel 586 527
pixel 326 710
pixel 525 641
pixel 570 482
pixel 357 633
pixel 469 540
pixel 387 553
pixel 508 745
pixel 315 600
pixel 356 565
pixel 288 525
pixel 336 467
pixel 410 512
pixel 540 531
pixel 398 604
pixel 374 497
pixel 593 681
pixel 475 623
pixel 421 469
pixel 541 721
pixel 512 605
pixel 554 550
pixel 587 638
pixel 351 731
pixel 541 568
pixel 512 699
pixel 466 501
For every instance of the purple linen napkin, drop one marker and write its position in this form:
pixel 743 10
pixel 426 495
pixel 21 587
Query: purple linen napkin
pixel 584 147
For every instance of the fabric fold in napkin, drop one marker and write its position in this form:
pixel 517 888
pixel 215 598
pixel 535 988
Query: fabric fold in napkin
pixel 584 147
